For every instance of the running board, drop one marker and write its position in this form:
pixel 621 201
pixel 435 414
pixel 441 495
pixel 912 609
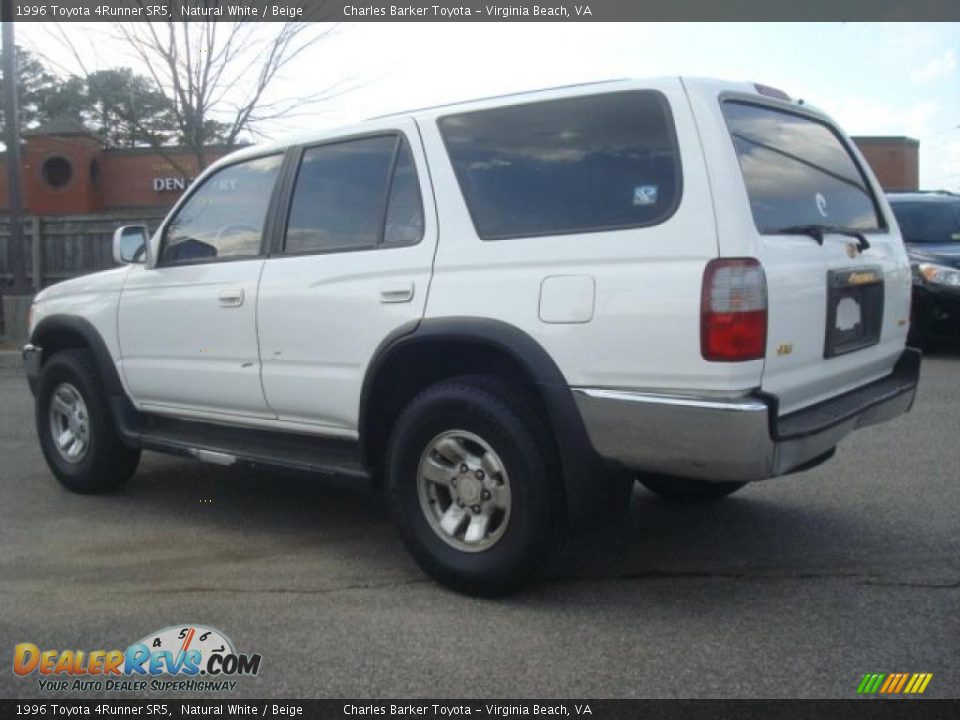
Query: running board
pixel 222 445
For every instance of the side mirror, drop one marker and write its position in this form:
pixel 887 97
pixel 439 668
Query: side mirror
pixel 130 244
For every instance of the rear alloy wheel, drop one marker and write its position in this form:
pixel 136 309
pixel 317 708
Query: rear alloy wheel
pixel 687 490
pixel 473 488
pixel 464 491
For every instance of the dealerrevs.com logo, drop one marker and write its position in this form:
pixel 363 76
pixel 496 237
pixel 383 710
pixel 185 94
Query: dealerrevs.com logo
pixel 197 658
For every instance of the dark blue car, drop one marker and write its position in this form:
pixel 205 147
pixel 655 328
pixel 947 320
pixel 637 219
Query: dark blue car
pixel 930 224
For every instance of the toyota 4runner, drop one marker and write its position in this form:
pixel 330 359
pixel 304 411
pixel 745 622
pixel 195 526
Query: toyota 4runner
pixel 502 312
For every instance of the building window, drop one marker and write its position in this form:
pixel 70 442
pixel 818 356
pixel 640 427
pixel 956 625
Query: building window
pixel 94 172
pixel 57 171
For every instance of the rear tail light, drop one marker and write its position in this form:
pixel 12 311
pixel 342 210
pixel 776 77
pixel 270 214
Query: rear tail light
pixel 733 310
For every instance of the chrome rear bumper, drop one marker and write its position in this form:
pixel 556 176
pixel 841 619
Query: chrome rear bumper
pixel 737 439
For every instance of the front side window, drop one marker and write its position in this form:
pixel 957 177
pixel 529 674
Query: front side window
pixel 354 195
pixel 224 217
pixel 574 165
pixel 797 171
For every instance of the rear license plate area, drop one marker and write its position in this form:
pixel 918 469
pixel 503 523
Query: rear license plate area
pixel 854 310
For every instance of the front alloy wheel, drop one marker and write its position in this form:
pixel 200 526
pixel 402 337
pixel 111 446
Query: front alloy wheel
pixel 69 423
pixel 77 435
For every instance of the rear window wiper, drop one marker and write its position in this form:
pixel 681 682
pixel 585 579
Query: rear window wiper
pixel 818 231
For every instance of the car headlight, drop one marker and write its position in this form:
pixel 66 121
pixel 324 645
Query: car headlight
pixel 939 274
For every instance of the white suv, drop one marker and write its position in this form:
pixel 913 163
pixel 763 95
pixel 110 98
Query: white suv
pixel 503 311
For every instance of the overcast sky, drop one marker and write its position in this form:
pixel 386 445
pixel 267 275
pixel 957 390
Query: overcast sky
pixel 874 79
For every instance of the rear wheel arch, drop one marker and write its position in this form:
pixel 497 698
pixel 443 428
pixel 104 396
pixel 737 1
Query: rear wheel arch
pixel 418 355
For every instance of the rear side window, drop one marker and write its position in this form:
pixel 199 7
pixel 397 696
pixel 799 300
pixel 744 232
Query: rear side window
pixel 224 217
pixel 797 171
pixel 928 222
pixel 355 195
pixel 585 164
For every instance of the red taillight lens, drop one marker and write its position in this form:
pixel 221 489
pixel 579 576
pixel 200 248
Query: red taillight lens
pixel 733 310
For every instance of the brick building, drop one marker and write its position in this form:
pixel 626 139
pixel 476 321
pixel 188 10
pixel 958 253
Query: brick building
pixel 67 171
pixel 893 160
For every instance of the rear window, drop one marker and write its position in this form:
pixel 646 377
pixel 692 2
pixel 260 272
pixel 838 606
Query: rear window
pixel 574 165
pixel 928 222
pixel 797 171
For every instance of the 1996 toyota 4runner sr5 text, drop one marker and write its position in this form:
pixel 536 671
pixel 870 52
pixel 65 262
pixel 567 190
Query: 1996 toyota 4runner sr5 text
pixel 502 311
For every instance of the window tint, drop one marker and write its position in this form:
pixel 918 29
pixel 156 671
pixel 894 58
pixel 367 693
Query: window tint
pixel 928 222
pixel 224 217
pixel 340 197
pixel 797 171
pixel 404 221
pixel 573 165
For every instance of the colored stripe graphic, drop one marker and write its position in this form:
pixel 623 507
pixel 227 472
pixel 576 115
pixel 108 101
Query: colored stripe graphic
pixel 894 683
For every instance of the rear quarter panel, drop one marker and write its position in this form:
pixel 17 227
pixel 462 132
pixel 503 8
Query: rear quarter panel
pixel 644 328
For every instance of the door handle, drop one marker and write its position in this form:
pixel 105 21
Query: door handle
pixel 231 297
pixel 397 292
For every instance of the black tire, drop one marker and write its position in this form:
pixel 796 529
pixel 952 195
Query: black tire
pixel 106 463
pixel 687 490
pixel 507 422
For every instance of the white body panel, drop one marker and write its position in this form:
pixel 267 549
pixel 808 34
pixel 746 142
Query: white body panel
pixel 185 342
pixel 93 297
pixel 321 317
pixel 645 331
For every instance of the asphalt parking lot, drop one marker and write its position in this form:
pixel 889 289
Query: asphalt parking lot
pixel 792 588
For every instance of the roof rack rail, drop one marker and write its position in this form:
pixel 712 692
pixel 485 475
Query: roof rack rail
pixel 495 97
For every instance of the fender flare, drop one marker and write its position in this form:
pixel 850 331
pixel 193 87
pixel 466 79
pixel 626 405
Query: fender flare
pixel 594 490
pixel 125 415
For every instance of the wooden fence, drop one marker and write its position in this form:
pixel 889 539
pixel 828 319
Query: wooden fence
pixel 65 246
pixel 70 245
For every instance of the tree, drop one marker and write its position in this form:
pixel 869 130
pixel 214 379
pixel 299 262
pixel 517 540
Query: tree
pixel 215 75
pixel 126 110
pixel 35 85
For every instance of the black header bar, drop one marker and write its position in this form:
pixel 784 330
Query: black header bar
pixel 863 709
pixel 478 10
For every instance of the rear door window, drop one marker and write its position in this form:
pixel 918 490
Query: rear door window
pixel 798 171
pixel 574 165
pixel 355 195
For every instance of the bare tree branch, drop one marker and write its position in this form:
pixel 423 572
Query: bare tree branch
pixel 217 77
